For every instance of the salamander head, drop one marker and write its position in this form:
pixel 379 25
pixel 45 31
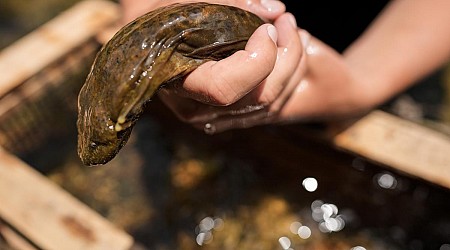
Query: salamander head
pixel 99 144
pixel 99 140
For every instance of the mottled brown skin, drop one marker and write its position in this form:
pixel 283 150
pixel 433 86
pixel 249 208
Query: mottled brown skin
pixel 158 48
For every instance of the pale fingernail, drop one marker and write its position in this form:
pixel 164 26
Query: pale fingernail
pixel 292 20
pixel 305 37
pixel 272 32
pixel 272 5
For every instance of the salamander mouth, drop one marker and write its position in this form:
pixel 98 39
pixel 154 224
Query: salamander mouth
pixel 93 153
pixel 123 137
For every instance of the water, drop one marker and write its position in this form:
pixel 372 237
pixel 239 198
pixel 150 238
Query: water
pixel 174 187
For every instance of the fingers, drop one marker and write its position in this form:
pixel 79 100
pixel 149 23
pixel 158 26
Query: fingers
pixel 226 81
pixel 276 88
pixel 272 94
pixel 286 73
pixel 259 106
pixel 303 101
pixel 238 104
pixel 266 9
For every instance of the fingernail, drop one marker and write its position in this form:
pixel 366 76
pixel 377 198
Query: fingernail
pixel 272 31
pixel 292 20
pixel 305 37
pixel 272 5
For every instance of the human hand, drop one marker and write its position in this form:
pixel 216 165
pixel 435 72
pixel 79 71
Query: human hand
pixel 261 54
pixel 330 88
pixel 247 88
pixel 309 81
pixel 282 83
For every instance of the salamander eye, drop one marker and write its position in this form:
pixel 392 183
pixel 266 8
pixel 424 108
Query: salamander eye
pixel 93 145
pixel 96 144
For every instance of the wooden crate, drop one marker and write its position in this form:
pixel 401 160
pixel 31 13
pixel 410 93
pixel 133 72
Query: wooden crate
pixel 35 70
pixel 56 220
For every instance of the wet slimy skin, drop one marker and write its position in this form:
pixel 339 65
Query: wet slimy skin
pixel 156 49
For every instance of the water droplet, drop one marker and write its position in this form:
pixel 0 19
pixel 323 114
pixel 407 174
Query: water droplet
pixel 358 248
pixel 247 109
pixel 445 247
pixel 332 224
pixel 316 204
pixel 386 181
pixel 341 223
pixel 302 86
pixel 323 227
pixel 203 238
pixel 209 128
pixel 304 232
pixel 285 242
pixel 310 184
pixel 218 224
pixel 206 224
pixel 311 49
pixel 327 211
pixel 295 226
pixel 316 210
pixel 144 44
pixel 200 238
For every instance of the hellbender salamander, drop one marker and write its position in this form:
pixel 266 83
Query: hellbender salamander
pixel 158 48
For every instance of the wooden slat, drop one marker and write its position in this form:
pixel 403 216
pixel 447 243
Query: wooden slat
pixel 13 239
pixel 49 216
pixel 400 144
pixel 44 213
pixel 54 40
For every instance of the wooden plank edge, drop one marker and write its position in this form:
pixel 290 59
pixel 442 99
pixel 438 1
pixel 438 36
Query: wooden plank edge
pixel 400 144
pixel 52 74
pixel 13 239
pixel 49 216
pixel 53 40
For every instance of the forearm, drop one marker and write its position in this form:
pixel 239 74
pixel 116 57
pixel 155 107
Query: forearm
pixel 406 42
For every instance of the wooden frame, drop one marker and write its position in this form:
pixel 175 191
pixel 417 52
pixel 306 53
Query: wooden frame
pixel 57 220
pixel 41 211
pixel 400 144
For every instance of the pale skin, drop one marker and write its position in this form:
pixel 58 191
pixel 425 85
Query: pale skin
pixel 285 74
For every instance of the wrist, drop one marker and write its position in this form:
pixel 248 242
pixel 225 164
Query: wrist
pixel 370 86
